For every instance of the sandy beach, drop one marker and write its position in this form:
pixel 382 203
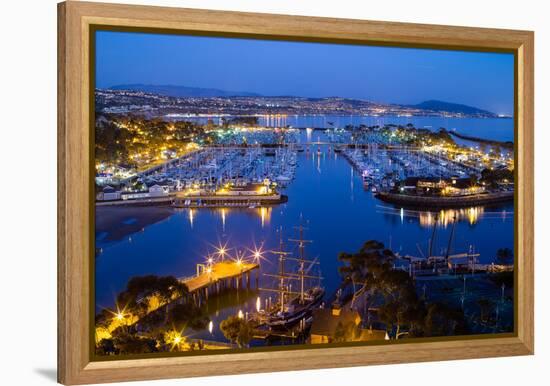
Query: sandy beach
pixel 113 223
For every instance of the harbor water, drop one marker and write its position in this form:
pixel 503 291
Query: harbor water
pixel 498 129
pixel 328 197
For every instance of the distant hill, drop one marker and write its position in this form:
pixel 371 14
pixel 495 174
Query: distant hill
pixel 440 106
pixel 181 91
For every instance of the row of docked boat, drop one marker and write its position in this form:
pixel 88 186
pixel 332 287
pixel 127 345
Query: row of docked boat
pixel 210 168
pixel 382 168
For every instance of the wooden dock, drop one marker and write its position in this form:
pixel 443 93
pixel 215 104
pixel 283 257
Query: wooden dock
pixel 214 278
pixel 182 200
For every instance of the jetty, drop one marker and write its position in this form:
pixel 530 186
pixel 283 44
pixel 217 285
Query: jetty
pixel 227 201
pixel 212 279
pixel 442 202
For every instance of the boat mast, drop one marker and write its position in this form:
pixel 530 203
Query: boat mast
pixel 450 241
pixel 433 236
pixel 282 256
pixel 301 247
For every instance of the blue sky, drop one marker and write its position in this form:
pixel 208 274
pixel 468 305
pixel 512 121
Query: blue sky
pixel 381 74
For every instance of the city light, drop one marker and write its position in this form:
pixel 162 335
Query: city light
pixel 249 172
pixel 222 251
pixel 257 254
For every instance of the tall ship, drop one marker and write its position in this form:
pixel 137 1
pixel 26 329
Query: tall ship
pixel 299 291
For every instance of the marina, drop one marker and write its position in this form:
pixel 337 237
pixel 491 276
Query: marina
pixel 320 175
pixel 245 203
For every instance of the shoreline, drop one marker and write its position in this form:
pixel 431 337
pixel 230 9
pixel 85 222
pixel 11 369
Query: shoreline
pixel 445 202
pixel 506 144
pixel 118 222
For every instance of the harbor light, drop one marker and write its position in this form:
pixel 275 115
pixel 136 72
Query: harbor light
pixel 240 315
pixel 258 304
pixel 119 316
pixel 257 254
pixel 177 339
pixel 221 251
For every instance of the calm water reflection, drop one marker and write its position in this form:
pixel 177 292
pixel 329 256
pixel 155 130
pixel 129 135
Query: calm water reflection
pixel 500 129
pixel 340 216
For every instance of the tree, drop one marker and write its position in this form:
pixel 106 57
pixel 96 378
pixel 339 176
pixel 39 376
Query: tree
pixel 132 344
pixel 106 347
pixel 401 308
pixel 237 330
pixel 496 176
pixel 103 319
pixel 367 264
pixel 142 287
pixel 188 314
pixel 442 320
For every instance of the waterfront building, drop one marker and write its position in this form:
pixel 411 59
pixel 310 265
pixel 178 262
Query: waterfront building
pixel 453 186
pixel 108 194
pixel 327 322
pixel 159 191
pixel 250 189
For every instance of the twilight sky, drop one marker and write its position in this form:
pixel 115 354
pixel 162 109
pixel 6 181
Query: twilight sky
pixel 381 74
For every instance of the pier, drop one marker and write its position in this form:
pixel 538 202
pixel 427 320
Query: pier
pixel 440 202
pixel 219 201
pixel 213 278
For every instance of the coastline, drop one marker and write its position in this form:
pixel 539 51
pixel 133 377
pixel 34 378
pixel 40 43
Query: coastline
pixel 506 144
pixel 114 223
pixel 445 202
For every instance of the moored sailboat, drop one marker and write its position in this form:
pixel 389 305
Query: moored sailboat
pixel 293 306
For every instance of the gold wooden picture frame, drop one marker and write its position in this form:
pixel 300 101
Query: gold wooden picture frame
pixel 77 20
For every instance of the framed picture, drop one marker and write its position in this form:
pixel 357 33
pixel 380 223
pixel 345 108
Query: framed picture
pixel 251 192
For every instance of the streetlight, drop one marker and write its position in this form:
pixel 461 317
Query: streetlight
pixel 221 251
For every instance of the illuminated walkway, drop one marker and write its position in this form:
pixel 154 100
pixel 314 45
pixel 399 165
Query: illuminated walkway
pixel 220 275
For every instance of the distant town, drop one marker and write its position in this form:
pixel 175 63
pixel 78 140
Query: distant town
pixel 218 169
pixel 137 101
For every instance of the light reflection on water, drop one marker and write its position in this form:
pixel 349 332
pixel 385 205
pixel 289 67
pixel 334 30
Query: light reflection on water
pixel 445 217
pixel 341 215
pixel 501 129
